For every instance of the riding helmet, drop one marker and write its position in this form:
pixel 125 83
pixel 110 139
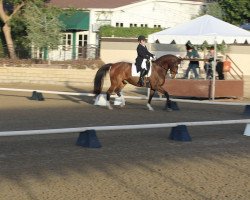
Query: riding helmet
pixel 141 37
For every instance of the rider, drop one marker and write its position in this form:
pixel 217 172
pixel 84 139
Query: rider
pixel 142 53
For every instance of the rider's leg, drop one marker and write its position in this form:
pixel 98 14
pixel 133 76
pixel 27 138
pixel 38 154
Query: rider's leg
pixel 141 79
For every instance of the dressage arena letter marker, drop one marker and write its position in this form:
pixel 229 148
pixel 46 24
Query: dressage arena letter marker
pixel 180 133
pixel 247 130
pixel 247 110
pixel 88 139
pixel 38 96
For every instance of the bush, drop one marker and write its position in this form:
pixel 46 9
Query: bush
pixel 132 32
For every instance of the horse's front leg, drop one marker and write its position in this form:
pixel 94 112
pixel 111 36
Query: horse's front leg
pixel 151 94
pixel 119 94
pixel 168 101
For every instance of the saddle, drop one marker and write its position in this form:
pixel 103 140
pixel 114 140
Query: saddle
pixel 137 74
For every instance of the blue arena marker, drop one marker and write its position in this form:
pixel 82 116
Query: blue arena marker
pixel 180 133
pixel 88 139
pixel 247 110
pixel 38 96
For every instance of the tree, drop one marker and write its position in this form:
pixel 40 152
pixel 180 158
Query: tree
pixel 43 26
pixel 212 9
pixel 6 15
pixel 9 10
pixel 235 12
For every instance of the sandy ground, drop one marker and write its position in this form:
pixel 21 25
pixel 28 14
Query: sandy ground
pixel 132 164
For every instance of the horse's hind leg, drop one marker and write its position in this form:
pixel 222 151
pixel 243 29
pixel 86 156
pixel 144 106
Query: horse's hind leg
pixel 108 93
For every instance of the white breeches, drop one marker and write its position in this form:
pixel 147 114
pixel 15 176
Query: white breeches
pixel 144 65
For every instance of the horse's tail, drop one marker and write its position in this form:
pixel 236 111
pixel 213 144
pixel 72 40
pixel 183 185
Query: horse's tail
pixel 98 81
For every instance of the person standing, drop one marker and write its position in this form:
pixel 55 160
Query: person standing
pixel 208 64
pixel 193 65
pixel 143 56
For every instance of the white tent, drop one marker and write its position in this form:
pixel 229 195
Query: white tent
pixel 206 28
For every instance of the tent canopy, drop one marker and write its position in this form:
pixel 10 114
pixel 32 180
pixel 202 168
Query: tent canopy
pixel 205 28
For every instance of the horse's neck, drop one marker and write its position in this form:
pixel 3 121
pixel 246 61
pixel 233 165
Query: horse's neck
pixel 162 67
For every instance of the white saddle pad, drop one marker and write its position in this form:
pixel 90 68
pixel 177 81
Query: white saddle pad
pixel 137 74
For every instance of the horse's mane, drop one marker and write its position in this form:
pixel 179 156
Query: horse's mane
pixel 169 59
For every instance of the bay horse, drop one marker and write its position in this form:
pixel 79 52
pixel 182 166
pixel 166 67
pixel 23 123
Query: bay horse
pixel 121 74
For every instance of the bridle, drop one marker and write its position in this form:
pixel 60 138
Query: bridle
pixel 166 69
pixel 162 66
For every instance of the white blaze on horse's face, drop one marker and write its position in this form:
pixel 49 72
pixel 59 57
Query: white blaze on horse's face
pixel 174 71
pixel 173 75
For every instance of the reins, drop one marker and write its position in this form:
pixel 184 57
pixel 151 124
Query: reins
pixel 162 67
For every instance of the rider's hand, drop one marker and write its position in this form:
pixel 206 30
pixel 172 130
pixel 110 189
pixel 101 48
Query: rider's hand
pixel 153 57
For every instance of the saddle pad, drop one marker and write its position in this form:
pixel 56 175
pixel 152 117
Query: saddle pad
pixel 137 74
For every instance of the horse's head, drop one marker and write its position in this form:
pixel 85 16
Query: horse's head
pixel 169 62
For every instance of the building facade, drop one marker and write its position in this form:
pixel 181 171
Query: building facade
pixel 83 41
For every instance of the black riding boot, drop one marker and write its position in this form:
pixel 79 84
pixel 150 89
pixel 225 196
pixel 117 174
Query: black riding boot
pixel 141 79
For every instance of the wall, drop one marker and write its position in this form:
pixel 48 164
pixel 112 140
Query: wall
pixel 73 77
pixel 240 54
pixel 82 77
pixel 167 13
pixel 116 50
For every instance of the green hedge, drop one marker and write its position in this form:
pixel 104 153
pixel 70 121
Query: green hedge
pixel 132 32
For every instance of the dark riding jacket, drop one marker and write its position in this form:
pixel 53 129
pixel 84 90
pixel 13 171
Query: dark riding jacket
pixel 142 53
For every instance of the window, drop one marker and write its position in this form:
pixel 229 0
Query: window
pixel 82 44
pixel 157 26
pixel 67 41
pixel 119 24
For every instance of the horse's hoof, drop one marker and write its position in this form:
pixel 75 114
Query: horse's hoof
pixel 110 107
pixel 150 107
pixel 169 109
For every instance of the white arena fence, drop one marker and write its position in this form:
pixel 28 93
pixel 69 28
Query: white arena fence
pixel 127 127
pixel 126 97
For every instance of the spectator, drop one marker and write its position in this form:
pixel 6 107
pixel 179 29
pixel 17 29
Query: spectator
pixel 193 65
